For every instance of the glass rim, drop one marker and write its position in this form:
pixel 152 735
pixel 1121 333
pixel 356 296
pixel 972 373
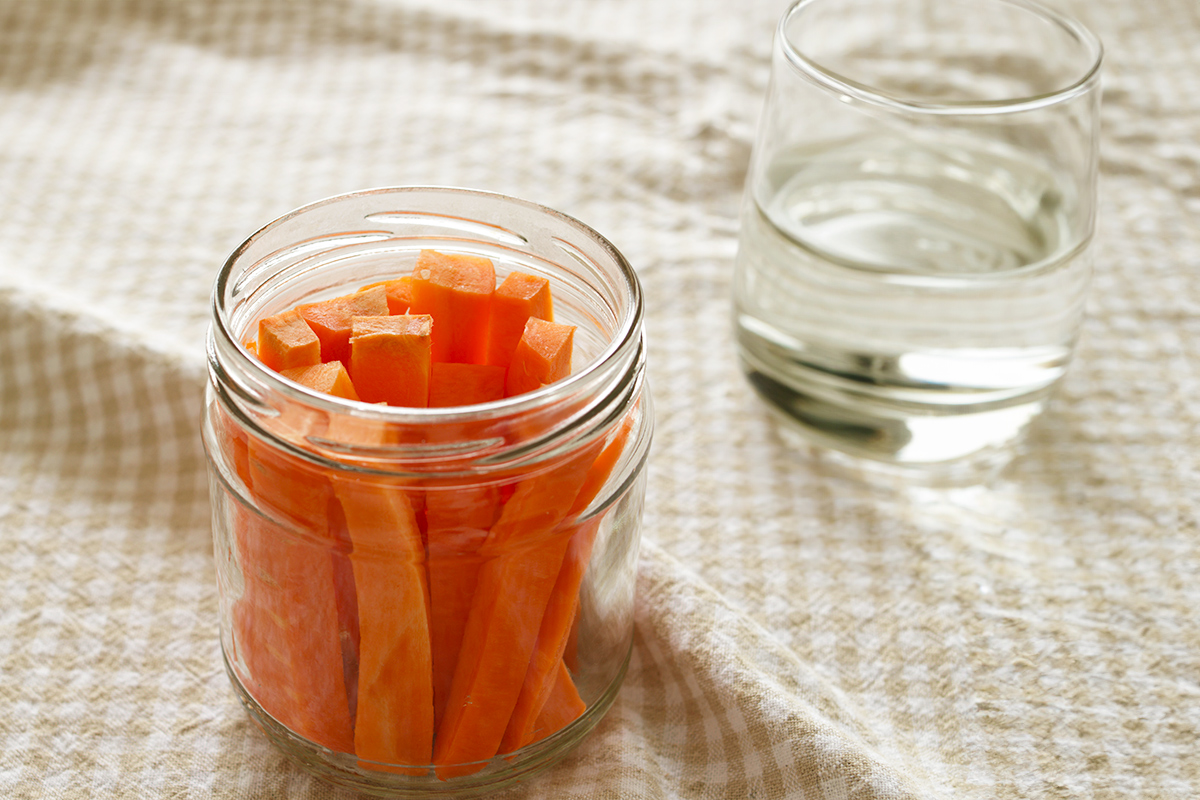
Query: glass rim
pixel 834 81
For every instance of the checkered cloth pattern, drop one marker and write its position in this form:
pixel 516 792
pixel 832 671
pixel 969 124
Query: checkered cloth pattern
pixel 797 635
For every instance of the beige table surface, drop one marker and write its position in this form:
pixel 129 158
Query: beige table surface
pixel 798 636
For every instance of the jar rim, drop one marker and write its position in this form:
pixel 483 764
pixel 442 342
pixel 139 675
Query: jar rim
pixel 629 328
pixel 227 355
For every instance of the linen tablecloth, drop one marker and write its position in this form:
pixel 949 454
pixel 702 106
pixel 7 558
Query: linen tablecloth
pixel 798 635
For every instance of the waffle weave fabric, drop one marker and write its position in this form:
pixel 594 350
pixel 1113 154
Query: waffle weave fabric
pixel 797 635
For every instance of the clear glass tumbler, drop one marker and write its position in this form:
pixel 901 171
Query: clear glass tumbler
pixel 914 247
pixel 427 601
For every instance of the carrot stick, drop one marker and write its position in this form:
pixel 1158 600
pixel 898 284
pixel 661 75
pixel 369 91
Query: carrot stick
pixel 551 641
pixel 299 493
pixel 518 298
pixel 457 519
pixel 453 384
pixel 234 444
pixel 563 604
pixel 367 434
pixel 501 631
pixel 399 294
pixel 330 320
pixel 510 599
pixel 389 359
pixel 601 469
pixel 571 651
pixel 562 707
pixel 346 597
pixel 541 501
pixel 289 487
pixel 286 623
pixel 456 290
pixel 542 356
pixel 286 341
pixel 394 720
pixel 330 378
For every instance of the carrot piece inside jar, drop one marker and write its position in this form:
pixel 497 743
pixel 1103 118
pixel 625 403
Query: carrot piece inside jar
pixel 453 604
pixel 456 290
pixel 390 357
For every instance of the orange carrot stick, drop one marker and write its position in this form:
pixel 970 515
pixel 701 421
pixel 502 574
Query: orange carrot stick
pixel 394 720
pixel 510 599
pixel 518 298
pixel 362 435
pixel 330 320
pixel 289 487
pixel 346 596
pixel 601 469
pixel 563 706
pixel 389 359
pixel 456 290
pixel 501 631
pixel 286 341
pixel 571 652
pixel 399 294
pixel 329 378
pixel 297 492
pixel 542 356
pixel 457 521
pixel 354 431
pixel 234 444
pixel 287 619
pixel 563 603
pixel 453 384
pixel 551 642
pixel 541 501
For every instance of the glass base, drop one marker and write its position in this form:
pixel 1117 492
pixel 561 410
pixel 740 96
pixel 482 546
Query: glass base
pixel 898 444
pixel 826 460
pixel 344 770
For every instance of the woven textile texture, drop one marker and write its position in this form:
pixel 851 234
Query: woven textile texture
pixel 797 635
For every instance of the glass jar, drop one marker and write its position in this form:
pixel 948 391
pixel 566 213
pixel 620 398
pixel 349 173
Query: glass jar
pixel 427 601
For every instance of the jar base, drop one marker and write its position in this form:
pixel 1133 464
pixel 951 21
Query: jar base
pixel 343 770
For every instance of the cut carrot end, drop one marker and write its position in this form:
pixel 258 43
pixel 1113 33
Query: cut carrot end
pixel 456 290
pixel 330 320
pixel 390 357
pixel 330 378
pixel 286 341
pixel 398 292
pixel 518 298
pixel 543 356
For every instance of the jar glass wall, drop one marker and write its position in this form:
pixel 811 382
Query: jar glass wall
pixel 424 601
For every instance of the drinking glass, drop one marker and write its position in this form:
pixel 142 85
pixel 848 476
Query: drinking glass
pixel 914 248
